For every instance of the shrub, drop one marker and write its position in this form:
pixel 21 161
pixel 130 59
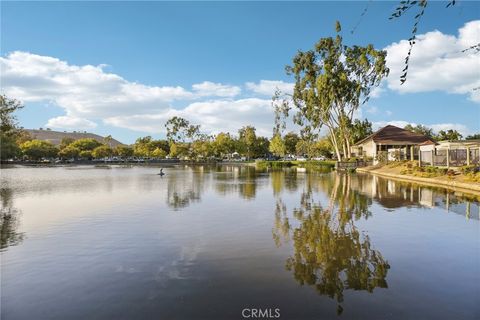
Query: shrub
pixel 470 169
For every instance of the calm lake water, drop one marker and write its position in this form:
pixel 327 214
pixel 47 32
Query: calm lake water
pixel 209 242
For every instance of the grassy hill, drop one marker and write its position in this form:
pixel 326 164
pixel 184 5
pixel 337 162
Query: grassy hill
pixel 56 137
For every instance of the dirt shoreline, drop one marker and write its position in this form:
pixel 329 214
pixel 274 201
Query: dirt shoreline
pixel 473 188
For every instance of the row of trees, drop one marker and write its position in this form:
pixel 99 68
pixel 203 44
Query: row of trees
pixel 441 135
pixel 187 141
pixel 184 140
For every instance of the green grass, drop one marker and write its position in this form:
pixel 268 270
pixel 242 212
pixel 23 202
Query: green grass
pixel 312 165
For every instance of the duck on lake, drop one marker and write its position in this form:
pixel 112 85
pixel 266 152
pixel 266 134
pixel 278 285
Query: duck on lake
pixel 161 173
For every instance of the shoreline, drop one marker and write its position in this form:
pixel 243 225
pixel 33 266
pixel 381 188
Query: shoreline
pixel 472 188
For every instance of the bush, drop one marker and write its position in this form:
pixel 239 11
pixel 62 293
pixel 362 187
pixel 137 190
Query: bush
pixel 322 166
pixel 470 169
pixel 273 164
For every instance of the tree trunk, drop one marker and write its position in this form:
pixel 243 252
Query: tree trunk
pixel 333 139
pixel 344 147
pixel 349 152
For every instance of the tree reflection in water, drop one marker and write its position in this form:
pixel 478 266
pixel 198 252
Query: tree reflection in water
pixel 330 253
pixel 185 187
pixel 9 221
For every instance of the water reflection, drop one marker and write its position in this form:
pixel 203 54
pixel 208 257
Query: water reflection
pixel 243 180
pixel 330 253
pixel 392 194
pixel 114 240
pixel 9 221
pixel 185 187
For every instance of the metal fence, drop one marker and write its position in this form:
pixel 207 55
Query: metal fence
pixel 450 157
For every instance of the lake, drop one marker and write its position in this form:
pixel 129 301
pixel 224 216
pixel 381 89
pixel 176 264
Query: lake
pixel 213 242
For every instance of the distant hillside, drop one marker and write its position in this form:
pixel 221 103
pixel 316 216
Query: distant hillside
pixel 56 137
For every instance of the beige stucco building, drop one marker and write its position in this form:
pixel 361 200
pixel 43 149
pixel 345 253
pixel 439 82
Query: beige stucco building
pixel 397 142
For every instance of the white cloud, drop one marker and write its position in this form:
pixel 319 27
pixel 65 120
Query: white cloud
pixel 438 63
pixel 268 87
pixel 89 93
pixel 83 91
pixel 463 129
pixel 214 116
pixel 208 88
pixel 66 122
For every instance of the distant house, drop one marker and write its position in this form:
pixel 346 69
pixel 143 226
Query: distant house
pixel 397 142
pixel 452 144
pixel 56 137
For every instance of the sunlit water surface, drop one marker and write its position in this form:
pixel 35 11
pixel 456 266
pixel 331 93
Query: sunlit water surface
pixel 208 242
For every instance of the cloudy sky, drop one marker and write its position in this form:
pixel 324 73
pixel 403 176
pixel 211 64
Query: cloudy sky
pixel 124 68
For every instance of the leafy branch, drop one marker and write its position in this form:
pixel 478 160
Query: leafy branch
pixel 401 9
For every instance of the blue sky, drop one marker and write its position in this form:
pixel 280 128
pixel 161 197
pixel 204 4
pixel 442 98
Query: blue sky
pixel 123 68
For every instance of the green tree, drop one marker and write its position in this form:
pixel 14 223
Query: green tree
pixel 322 148
pixel 448 135
pixel 8 121
pixel 223 145
pixel 8 146
pixel 145 146
pixel 86 154
pixel 159 144
pixel 202 149
pixel 420 129
pixel 141 147
pixel 22 136
pixel 291 139
pixel 360 130
pixel 69 152
pixel 9 130
pixel 102 151
pixel 303 147
pixel 473 137
pixel 124 151
pixel 65 142
pixel 277 146
pixel 159 153
pixel 179 150
pixel 38 149
pixel 331 82
pixel 261 147
pixel 180 129
pixel 108 140
pixel 86 144
pixel 248 140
